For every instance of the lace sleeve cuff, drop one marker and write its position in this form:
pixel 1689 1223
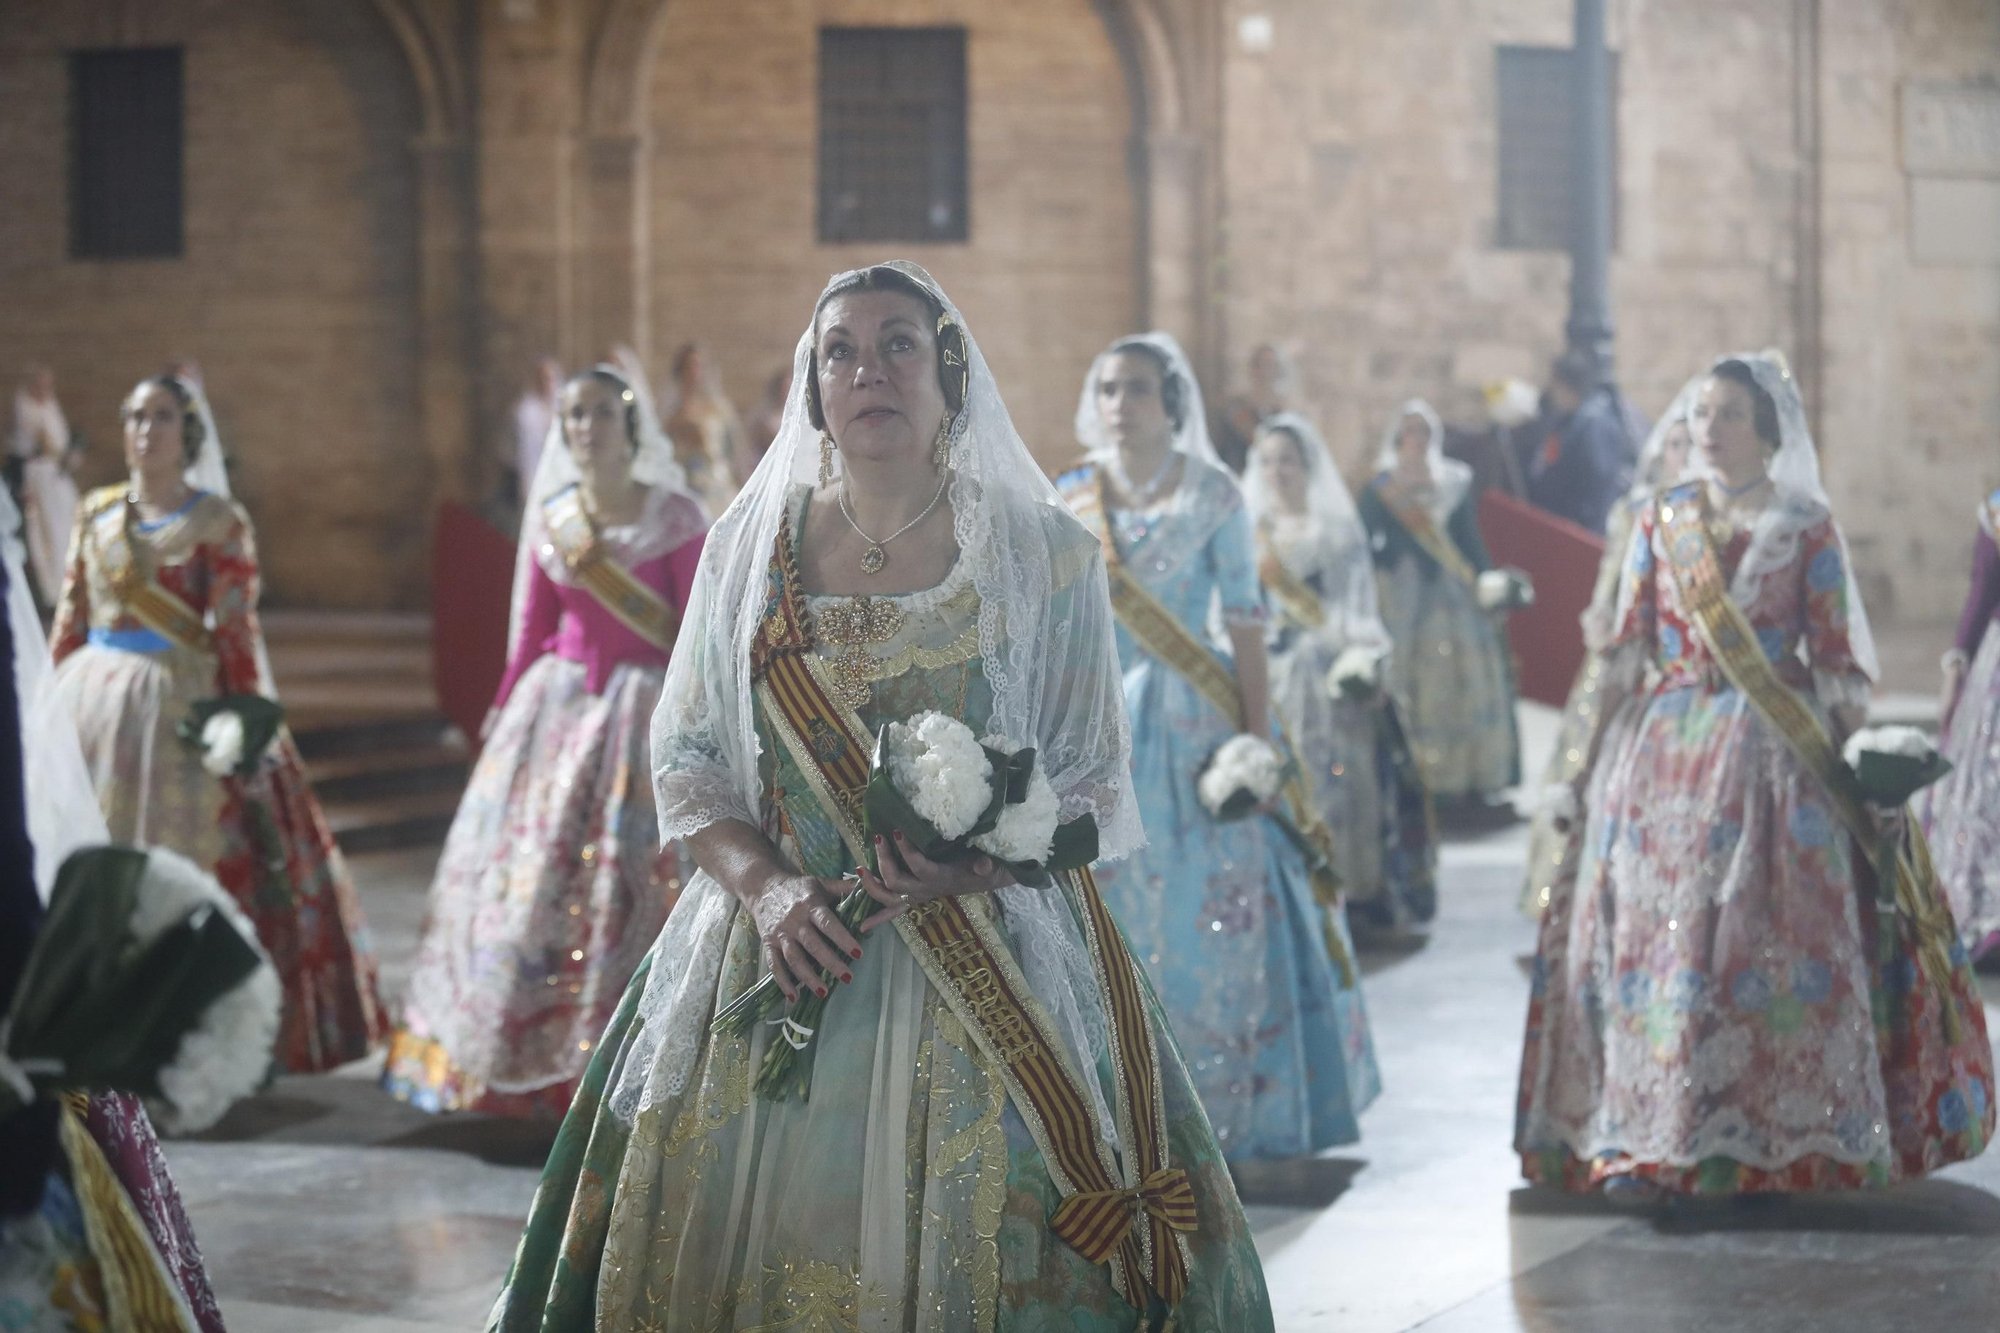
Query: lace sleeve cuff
pixel 690 801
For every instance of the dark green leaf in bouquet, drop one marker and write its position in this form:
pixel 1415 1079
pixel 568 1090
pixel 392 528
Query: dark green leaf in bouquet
pixel 261 719
pixel 1891 779
pixel 1242 803
pixel 1075 844
pixel 1000 781
pixel 111 1011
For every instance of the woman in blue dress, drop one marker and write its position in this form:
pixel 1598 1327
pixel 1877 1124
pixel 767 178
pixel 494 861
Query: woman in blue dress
pixel 1255 970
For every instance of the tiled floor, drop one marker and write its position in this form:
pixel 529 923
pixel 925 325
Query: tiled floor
pixel 324 1207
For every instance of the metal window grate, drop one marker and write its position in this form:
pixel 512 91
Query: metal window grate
pixel 125 170
pixel 1536 164
pixel 892 139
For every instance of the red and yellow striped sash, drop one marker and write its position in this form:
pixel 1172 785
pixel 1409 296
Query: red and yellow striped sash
pixel 1128 1216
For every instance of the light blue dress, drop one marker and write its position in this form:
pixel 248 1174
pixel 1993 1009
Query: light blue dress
pixel 1223 915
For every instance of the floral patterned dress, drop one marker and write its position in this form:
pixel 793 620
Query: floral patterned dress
pixel 1223 915
pixel 1962 813
pixel 552 885
pixel 1451 675
pixel 1714 1007
pixel 128 688
pixel 906 1192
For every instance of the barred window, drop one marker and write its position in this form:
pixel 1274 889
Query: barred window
pixel 1537 164
pixel 125 181
pixel 892 143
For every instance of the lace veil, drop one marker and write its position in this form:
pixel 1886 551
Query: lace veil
pixel 1450 479
pixel 1800 504
pixel 1190 436
pixel 1338 541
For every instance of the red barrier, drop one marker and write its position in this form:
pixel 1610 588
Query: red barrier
pixel 472 579
pixel 1562 559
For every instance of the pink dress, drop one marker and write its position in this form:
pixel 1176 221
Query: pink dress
pixel 552 885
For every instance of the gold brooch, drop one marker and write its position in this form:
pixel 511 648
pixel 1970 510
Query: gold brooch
pixel 851 625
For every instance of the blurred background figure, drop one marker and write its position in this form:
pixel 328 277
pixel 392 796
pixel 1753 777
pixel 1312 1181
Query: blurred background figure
pixel 706 432
pixel 1268 392
pixel 47 456
pixel 1589 443
pixel 767 415
pixel 534 414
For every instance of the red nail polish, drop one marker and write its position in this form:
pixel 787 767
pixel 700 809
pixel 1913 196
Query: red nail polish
pixel 846 978
pixel 899 836
pixel 821 990
pixel 878 840
pixel 857 953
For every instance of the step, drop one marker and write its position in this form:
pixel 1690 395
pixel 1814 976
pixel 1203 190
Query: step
pixel 402 771
pixel 376 824
pixel 323 737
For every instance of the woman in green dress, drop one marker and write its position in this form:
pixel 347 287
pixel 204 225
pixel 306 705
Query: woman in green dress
pixel 998 1133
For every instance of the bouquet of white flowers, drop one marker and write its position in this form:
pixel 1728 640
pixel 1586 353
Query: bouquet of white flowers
pixel 1243 775
pixel 1505 590
pixel 1356 674
pixel 1892 764
pixel 1244 772
pixel 953 797
pixel 145 977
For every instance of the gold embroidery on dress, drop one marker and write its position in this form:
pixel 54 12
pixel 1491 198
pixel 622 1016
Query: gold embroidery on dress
pixel 851 625
pixel 983 1143
pixel 812 1297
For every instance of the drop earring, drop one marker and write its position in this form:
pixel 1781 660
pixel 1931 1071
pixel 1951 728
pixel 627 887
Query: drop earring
pixel 941 450
pixel 825 459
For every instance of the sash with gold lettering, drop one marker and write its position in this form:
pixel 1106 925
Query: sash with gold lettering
pixel 1160 632
pixel 1904 875
pixel 616 588
pixel 1128 1215
pixel 151 604
pixel 1439 546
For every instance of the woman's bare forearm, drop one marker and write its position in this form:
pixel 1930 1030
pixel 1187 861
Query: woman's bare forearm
pixel 738 857
pixel 1253 678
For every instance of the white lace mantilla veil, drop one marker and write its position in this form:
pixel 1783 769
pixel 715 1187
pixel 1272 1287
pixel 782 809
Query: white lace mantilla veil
pixel 1054 676
pixel 1646 478
pixel 653 465
pixel 63 813
pixel 1190 437
pixel 1801 502
pixel 1450 479
pixel 1352 611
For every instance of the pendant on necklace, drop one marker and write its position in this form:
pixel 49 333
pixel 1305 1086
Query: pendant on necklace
pixel 872 560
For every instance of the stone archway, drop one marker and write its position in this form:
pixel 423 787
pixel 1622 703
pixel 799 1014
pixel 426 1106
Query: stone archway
pixel 1160 53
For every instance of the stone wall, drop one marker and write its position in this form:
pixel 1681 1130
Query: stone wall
pixel 1048 275
pixel 296 292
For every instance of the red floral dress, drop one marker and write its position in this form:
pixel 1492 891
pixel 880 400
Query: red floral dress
pixel 1714 1005
pixel 128 688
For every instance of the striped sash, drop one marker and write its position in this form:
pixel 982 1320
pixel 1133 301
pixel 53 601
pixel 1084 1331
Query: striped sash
pixel 1905 869
pixel 1294 596
pixel 574 535
pixel 1130 1215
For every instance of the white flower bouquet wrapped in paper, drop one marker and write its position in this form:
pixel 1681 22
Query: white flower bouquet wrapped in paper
pixel 1892 764
pixel 1356 674
pixel 953 797
pixel 1505 590
pixel 234 732
pixel 147 978
pixel 1245 776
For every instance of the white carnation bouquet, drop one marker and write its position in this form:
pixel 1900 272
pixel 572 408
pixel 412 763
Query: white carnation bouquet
pixel 1244 775
pixel 145 977
pixel 953 797
pixel 1356 674
pixel 1892 764
pixel 1505 590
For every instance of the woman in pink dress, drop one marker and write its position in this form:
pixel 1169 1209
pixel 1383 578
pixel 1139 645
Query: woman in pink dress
pixel 553 881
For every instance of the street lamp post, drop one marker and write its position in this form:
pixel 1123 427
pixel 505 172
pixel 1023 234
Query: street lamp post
pixel 1589 329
